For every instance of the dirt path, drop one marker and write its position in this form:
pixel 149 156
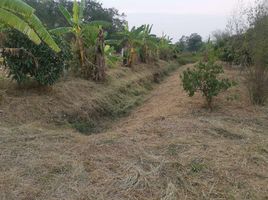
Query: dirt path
pixel 162 102
pixel 169 148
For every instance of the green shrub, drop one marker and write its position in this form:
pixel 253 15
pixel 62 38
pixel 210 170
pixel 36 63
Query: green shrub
pixel 204 78
pixel 27 60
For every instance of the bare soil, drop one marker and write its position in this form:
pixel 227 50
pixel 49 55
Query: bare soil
pixel 169 148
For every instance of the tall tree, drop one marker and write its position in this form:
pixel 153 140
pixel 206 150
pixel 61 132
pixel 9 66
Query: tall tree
pixel 194 42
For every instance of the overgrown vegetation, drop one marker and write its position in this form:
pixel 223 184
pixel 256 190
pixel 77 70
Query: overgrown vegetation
pixel 245 44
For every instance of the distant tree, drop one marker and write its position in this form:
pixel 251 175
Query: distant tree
pixel 219 35
pixel 182 44
pixel 194 42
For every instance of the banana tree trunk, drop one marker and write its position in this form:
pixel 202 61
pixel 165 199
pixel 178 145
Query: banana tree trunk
pixel 131 57
pixel 99 69
pixel 81 52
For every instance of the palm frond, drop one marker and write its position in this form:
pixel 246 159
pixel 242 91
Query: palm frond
pixel 75 12
pixel 41 31
pixel 81 10
pixel 66 14
pixel 15 22
pixel 101 23
pixel 112 42
pixel 61 30
pixel 17 6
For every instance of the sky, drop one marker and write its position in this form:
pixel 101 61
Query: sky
pixel 177 17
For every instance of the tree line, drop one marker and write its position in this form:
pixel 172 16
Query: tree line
pixel 41 39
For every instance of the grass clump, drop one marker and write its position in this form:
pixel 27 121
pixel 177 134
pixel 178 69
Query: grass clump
pixel 85 128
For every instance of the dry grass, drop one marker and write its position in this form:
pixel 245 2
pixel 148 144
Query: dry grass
pixel 169 148
pixel 74 98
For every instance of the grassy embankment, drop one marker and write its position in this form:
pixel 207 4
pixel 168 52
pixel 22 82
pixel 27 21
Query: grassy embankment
pixel 84 105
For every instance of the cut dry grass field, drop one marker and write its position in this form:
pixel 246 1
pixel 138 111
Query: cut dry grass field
pixel 168 148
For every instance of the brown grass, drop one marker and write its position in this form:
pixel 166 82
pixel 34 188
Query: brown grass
pixel 70 98
pixel 169 148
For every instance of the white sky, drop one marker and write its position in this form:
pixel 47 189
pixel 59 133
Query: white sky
pixel 177 17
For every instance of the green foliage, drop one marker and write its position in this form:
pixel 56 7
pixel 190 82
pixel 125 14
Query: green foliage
pixel 28 60
pixel 166 49
pixel 86 36
pixel 149 49
pixel 233 50
pixel 187 58
pixel 85 128
pixel 197 167
pixel 192 43
pixel 50 14
pixel 130 40
pixel 248 48
pixel 204 78
pixel 110 56
pixel 20 16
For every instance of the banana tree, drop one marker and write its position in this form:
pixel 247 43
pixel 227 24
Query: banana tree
pixel 77 27
pixel 130 40
pixel 75 21
pixel 20 16
pixel 149 47
pixel 166 48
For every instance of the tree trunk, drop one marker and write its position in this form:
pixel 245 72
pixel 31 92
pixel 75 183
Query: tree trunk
pixel 131 57
pixel 99 69
pixel 209 103
pixel 80 48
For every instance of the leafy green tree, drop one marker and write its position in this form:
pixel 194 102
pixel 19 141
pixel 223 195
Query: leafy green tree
pixel 194 42
pixel 204 78
pixel 27 61
pixel 20 16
